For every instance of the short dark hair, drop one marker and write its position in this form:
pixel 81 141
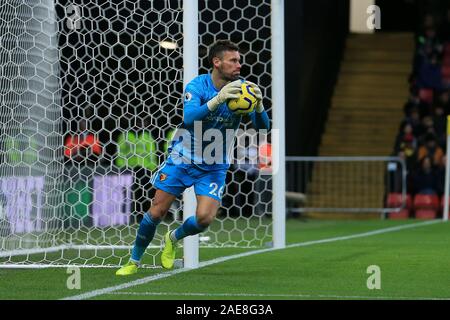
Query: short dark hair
pixel 218 47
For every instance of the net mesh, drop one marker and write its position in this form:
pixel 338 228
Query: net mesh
pixel 90 94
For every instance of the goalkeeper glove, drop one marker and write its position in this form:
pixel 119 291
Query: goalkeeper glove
pixel 230 91
pixel 258 94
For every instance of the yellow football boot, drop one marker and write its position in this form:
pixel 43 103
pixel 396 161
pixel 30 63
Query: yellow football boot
pixel 128 269
pixel 168 253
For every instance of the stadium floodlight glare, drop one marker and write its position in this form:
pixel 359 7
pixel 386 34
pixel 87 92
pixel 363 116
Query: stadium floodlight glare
pixel 170 45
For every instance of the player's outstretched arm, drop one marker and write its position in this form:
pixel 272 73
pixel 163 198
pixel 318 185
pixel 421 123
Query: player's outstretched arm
pixel 259 118
pixel 193 111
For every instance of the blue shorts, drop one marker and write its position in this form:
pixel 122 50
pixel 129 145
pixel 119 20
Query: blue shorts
pixel 175 178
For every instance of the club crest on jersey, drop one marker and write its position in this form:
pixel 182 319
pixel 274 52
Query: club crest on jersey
pixel 162 177
pixel 188 96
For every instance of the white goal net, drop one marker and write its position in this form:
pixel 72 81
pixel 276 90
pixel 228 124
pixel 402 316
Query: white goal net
pixel 90 93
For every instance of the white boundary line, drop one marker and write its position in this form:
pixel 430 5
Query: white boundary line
pixel 267 295
pixel 148 279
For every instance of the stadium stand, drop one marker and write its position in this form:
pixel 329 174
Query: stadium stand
pixel 426 112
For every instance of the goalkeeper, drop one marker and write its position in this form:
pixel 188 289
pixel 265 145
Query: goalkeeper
pixel 205 104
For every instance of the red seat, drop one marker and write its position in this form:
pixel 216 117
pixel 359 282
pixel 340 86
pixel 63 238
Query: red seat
pixel 426 206
pixel 401 215
pixel 426 95
pixel 426 214
pixel 426 201
pixel 395 200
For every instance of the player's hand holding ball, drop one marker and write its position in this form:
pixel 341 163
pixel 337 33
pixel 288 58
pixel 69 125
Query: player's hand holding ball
pixel 259 97
pixel 249 98
pixel 230 91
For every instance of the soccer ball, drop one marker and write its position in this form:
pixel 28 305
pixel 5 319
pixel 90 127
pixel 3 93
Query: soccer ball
pixel 246 102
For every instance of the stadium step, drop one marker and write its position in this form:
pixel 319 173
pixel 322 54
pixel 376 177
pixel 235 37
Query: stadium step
pixel 356 120
pixel 377 55
pixel 330 141
pixel 380 111
pixel 337 189
pixel 370 79
pixel 395 41
pixel 359 90
pixel 366 129
pixel 381 68
pixel 363 102
pixel 339 129
pixel 364 118
pixel 357 150
pixel 374 113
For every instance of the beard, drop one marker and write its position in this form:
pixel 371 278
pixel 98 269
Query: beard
pixel 234 77
pixel 230 76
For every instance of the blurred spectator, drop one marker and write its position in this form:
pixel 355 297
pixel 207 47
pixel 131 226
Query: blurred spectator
pixel 444 101
pixel 431 149
pixel 425 180
pixel 429 43
pixel 414 104
pixel 428 21
pixel 440 125
pixel 440 171
pixel 414 119
pixel 444 30
pixel 429 74
pixel 405 136
pixel 410 154
pixel 427 128
pixel 82 146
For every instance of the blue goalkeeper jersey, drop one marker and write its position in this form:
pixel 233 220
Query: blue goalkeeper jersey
pixel 194 143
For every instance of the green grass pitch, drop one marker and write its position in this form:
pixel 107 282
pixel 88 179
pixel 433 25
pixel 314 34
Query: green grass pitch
pixel 414 264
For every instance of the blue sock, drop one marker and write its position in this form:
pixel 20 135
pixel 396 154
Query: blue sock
pixel 188 228
pixel 144 236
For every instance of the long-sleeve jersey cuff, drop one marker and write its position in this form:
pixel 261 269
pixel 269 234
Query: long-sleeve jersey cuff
pixel 261 120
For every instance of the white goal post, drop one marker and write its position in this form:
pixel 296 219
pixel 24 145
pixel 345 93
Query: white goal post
pixel 190 56
pixel 110 73
pixel 447 176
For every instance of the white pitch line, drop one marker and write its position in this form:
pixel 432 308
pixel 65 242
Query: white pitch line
pixel 148 279
pixel 365 234
pixel 261 295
